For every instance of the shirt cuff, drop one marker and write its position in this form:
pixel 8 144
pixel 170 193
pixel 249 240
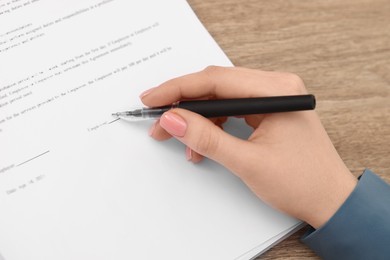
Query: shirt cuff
pixel 360 229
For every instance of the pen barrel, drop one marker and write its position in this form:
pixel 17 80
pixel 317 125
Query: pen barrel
pixel 147 113
pixel 249 106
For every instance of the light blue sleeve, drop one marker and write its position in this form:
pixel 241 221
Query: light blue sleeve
pixel 360 229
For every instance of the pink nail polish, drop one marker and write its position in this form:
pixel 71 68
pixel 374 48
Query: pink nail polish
pixel 173 124
pixel 188 154
pixel 153 127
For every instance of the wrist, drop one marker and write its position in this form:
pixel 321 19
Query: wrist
pixel 331 197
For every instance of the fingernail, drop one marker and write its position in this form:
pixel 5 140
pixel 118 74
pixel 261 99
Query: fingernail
pixel 145 93
pixel 153 127
pixel 189 154
pixel 173 124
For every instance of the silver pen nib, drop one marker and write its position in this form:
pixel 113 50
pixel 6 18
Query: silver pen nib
pixel 133 114
pixel 118 114
pixel 142 113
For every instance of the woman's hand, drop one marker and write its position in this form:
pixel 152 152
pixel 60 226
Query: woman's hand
pixel 288 161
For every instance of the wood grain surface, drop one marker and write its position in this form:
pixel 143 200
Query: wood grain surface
pixel 341 49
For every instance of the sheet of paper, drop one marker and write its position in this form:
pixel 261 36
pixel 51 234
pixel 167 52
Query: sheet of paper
pixel 77 184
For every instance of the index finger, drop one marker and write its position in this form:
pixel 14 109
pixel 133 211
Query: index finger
pixel 224 82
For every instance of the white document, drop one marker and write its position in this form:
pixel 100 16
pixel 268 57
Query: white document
pixel 77 184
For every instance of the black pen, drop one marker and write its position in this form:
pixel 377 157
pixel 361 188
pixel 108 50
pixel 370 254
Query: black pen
pixel 228 107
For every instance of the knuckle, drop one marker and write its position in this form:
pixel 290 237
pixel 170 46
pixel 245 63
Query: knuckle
pixel 212 73
pixel 295 83
pixel 211 69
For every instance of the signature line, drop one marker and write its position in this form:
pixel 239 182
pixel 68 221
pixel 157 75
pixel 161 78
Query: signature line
pixel 29 160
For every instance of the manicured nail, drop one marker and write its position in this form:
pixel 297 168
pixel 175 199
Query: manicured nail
pixel 153 127
pixel 188 154
pixel 145 93
pixel 173 124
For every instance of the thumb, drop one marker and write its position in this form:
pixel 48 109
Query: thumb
pixel 203 137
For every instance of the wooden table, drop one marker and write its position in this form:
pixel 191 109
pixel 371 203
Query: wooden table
pixel 342 51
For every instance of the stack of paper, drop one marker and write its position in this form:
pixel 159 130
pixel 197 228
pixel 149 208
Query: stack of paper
pixel 75 183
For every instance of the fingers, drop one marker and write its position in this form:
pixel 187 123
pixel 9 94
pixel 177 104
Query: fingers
pixel 196 157
pixel 160 134
pixel 254 120
pixel 202 137
pixel 224 82
pixel 193 156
